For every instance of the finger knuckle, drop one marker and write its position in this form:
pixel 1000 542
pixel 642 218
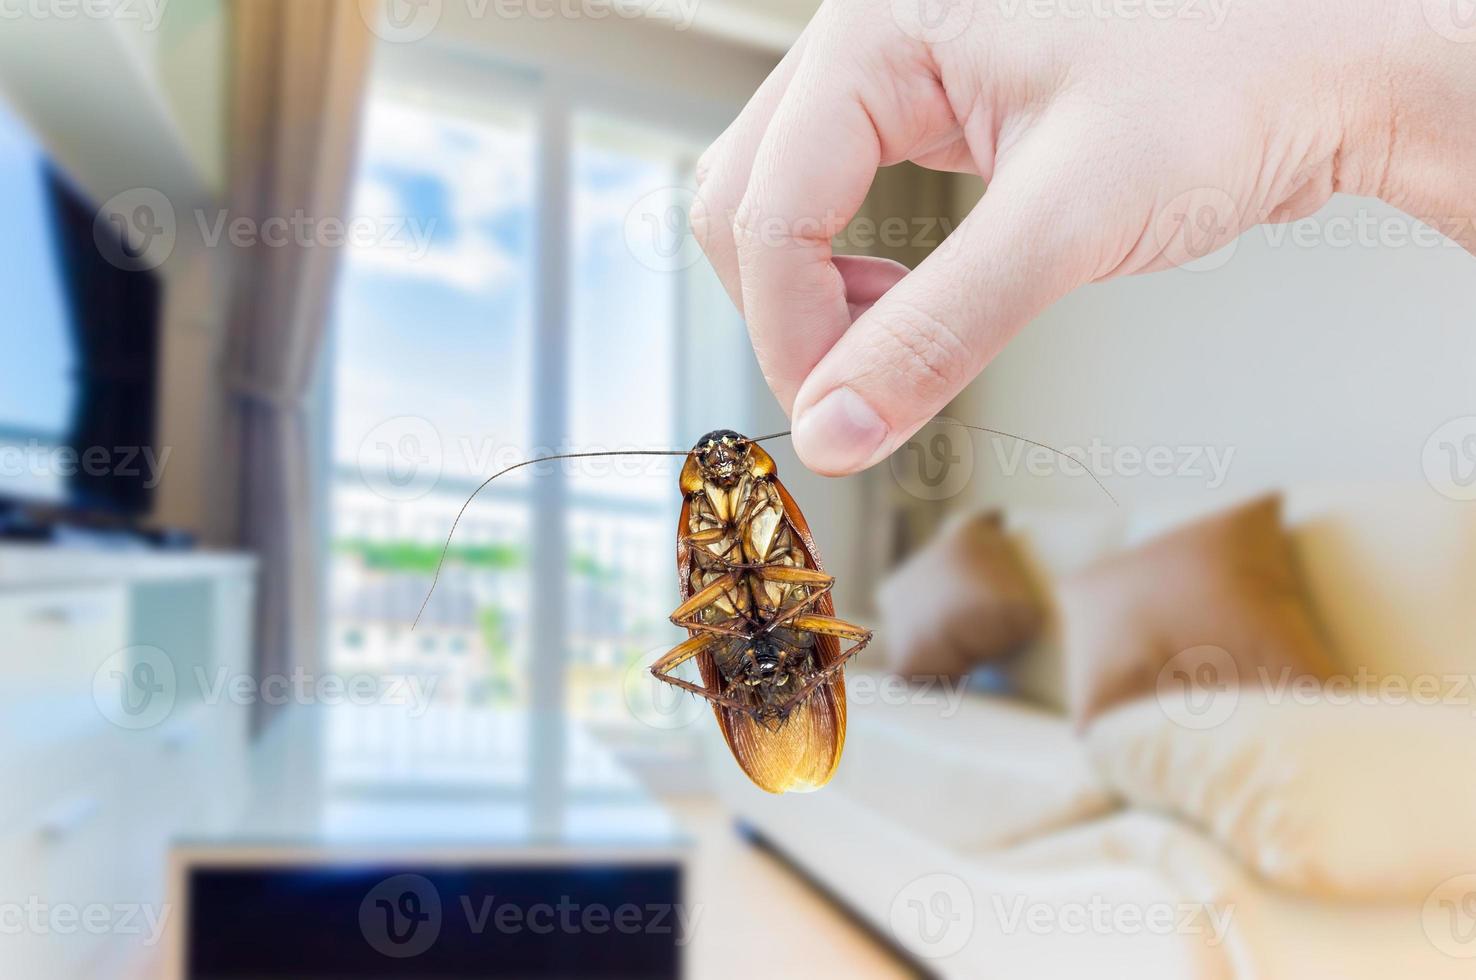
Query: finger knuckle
pixel 931 352
pixel 699 220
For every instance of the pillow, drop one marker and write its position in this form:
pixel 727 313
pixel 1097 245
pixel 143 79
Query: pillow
pixel 1328 791
pixel 1052 542
pixel 961 600
pixel 964 772
pixel 1217 602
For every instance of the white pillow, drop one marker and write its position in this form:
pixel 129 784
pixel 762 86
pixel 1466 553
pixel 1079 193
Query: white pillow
pixel 1332 793
pixel 966 772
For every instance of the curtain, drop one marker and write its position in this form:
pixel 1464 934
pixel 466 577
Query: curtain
pixel 299 73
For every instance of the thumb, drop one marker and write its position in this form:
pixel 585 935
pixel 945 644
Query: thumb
pixel 1025 245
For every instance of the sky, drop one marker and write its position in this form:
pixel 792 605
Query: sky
pixel 447 336
pixel 444 336
pixel 35 354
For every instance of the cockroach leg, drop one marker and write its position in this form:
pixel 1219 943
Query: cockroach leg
pixel 826 675
pixel 685 614
pixel 711 535
pixel 793 573
pixel 820 585
pixel 826 626
pixel 830 626
pixel 679 655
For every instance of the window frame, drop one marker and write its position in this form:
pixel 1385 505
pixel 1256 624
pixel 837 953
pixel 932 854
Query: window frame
pixel 556 98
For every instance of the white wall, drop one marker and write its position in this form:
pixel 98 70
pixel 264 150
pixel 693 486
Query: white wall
pixel 1315 362
pixel 680 67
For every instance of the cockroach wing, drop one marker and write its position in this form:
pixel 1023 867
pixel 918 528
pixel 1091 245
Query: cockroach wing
pixel 803 753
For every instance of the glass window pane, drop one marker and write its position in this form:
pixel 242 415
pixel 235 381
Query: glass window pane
pixel 626 312
pixel 432 391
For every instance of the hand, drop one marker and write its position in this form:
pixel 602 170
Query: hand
pixel 1110 144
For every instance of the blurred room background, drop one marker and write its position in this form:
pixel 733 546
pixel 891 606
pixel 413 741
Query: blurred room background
pixel 304 273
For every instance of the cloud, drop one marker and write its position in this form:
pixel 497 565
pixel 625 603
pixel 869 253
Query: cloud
pixel 483 172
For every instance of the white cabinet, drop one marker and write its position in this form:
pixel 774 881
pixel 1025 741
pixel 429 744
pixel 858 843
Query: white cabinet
pixel 103 763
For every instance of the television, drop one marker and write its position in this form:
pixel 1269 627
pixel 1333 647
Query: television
pixel 79 347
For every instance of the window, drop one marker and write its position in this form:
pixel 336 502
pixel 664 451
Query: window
pixel 624 391
pixel 541 295
pixel 432 385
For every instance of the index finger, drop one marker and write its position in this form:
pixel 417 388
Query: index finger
pixel 812 171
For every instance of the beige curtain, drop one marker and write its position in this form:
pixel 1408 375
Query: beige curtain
pixel 299 74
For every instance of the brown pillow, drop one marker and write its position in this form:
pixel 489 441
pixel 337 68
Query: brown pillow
pixel 1227 582
pixel 958 602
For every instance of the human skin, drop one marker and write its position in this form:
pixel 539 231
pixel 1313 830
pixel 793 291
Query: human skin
pixel 1111 144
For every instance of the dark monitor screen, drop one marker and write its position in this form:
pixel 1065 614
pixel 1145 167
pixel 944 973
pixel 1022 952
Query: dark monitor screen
pixel 79 344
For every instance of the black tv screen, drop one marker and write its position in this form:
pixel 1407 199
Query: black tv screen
pixel 79 346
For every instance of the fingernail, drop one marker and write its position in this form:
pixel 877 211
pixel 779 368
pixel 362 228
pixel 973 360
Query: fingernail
pixel 839 434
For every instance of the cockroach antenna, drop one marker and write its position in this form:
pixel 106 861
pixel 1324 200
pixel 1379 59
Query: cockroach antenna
pixel 517 466
pixel 1031 442
pixel 446 549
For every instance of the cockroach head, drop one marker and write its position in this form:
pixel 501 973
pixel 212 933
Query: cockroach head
pixel 722 455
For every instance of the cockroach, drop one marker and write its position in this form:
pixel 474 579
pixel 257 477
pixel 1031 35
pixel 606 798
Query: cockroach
pixel 758 610
pixel 760 619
